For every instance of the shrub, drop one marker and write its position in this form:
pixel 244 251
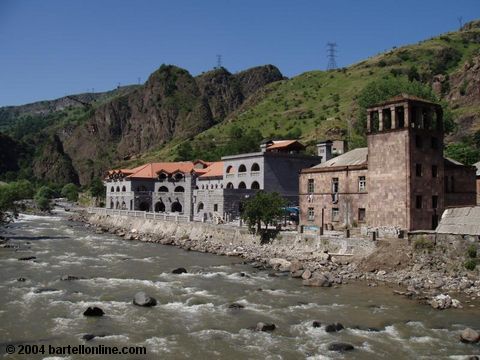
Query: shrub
pixel 472 251
pixel 42 203
pixel 70 191
pixel 423 244
pixel 470 264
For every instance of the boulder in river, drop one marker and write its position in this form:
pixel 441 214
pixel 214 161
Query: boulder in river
pixel 235 306
pixel 27 258
pixel 340 347
pixel 295 266
pixel 93 311
pixel 179 270
pixel 279 264
pixel 316 324
pixel 442 302
pixel 265 327
pixel 319 280
pixel 307 274
pixel 334 327
pixel 21 279
pixel 469 336
pixel 142 299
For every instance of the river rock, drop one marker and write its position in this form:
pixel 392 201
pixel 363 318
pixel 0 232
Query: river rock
pixel 21 279
pixel 296 274
pixel 265 327
pixel 295 266
pixel 27 258
pixel 179 270
pixel 69 278
pixel 279 264
pixel 235 306
pixel 469 336
pixel 307 274
pixel 340 347
pixel 142 299
pixel 442 302
pixel 93 311
pixel 316 324
pixel 334 327
pixel 319 280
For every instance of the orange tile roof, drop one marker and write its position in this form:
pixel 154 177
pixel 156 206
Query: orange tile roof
pixel 215 169
pixel 151 170
pixel 283 144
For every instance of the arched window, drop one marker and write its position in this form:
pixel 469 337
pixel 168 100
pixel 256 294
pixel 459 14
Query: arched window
pixel 216 186
pixel 242 168
pixel 112 189
pixel 179 189
pixel 178 177
pixel 162 189
pixel 176 207
pixel 118 188
pixel 221 186
pixel 162 176
pixel 159 207
pixel 211 186
pixel 255 185
pixel 230 169
pixel 117 205
pixel 255 167
pixel 200 207
pixel 124 206
pixel 242 185
pixel 123 188
pixel 229 186
pixel 112 204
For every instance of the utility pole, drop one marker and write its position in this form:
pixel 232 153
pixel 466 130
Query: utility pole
pixel 331 55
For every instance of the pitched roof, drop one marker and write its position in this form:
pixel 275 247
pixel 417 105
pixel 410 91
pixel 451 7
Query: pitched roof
pixel 404 97
pixel 356 156
pixel 215 169
pixel 151 170
pixel 461 220
pixel 285 144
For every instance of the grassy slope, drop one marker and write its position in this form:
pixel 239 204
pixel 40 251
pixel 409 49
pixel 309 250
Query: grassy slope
pixel 320 103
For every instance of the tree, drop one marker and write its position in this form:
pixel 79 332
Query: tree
pixel 185 151
pixel 11 193
pixel 97 189
pixel 263 208
pixel 42 198
pixel 70 191
pixel 462 152
pixel 45 192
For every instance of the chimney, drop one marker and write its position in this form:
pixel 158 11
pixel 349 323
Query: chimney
pixel 324 150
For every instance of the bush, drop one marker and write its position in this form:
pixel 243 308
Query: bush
pixel 472 251
pixel 45 192
pixel 70 191
pixel 423 244
pixel 470 264
pixel 43 203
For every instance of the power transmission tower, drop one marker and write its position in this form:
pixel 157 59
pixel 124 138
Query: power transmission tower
pixel 219 61
pixel 460 21
pixel 331 55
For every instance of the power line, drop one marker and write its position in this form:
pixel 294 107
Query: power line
pixel 331 55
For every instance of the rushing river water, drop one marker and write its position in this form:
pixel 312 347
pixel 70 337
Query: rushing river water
pixel 192 318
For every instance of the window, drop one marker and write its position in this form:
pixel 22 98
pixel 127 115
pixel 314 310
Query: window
pixel 447 188
pixel 361 214
pixel 452 184
pixel 418 170
pixel 418 201
pixel 162 176
pixel 179 189
pixel 335 214
pixel 229 185
pixel 242 168
pixel 434 143
pixel 118 188
pixel 434 201
pixel 335 185
pixel 112 189
pixel 124 189
pixel 242 185
pixel 200 207
pixel 230 169
pixel 255 167
pixel 311 214
pixel 178 177
pixel 215 207
pixel 418 142
pixel 255 185
pixel 434 171
pixel 311 186
pixel 162 189
pixel 362 183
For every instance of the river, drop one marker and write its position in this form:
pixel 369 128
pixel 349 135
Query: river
pixel 192 318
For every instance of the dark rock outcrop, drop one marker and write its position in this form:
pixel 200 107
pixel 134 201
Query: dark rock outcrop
pixel 179 270
pixel 93 311
pixel 265 327
pixel 334 327
pixel 340 347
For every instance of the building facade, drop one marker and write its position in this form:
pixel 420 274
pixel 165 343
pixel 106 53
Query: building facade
pixel 400 181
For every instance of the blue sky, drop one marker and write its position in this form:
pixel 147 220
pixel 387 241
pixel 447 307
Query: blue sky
pixel 51 48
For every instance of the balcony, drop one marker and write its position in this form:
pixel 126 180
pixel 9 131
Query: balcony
pixel 255 173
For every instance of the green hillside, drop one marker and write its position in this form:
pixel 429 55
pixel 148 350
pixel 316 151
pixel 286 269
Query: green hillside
pixel 324 104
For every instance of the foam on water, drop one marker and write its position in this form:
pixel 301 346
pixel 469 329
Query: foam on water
pixel 160 345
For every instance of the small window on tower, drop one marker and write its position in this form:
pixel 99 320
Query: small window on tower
pixel 418 201
pixel 434 143
pixel 361 214
pixel 335 214
pixel 434 171
pixel 434 201
pixel 362 184
pixel 418 169
pixel 311 214
pixel 311 186
pixel 418 142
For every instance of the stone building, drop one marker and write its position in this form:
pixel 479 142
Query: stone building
pixel 210 191
pixel 400 181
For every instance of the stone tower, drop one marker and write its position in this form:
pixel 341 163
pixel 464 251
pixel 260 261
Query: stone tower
pixel 405 164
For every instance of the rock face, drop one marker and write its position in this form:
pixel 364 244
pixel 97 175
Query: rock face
pixel 469 336
pixel 93 311
pixel 142 299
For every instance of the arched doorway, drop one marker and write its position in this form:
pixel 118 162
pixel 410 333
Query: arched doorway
pixel 255 185
pixel 159 207
pixel 144 206
pixel 200 207
pixel 242 185
pixel 176 207
pixel 117 205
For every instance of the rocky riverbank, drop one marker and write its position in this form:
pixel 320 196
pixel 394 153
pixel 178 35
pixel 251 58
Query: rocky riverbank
pixel 427 275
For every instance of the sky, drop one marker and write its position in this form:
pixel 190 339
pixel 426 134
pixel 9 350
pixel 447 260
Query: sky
pixel 52 48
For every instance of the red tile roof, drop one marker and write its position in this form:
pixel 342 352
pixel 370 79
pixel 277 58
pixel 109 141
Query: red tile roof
pixel 285 144
pixel 214 170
